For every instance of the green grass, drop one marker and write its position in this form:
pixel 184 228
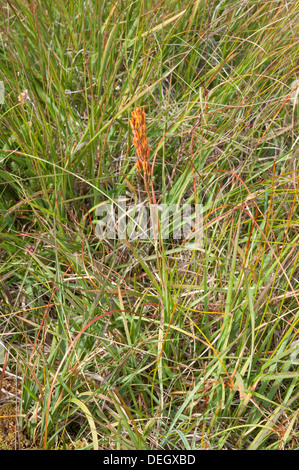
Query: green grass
pixel 151 345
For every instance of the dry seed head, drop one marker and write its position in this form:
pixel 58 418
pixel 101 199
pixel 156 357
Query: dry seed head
pixel 23 97
pixel 138 125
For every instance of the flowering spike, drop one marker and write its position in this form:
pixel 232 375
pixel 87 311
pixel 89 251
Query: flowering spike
pixel 138 125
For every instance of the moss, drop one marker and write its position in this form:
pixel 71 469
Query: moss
pixel 11 437
pixel 80 444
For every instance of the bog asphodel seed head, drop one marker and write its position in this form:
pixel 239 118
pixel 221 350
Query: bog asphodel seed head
pixel 138 125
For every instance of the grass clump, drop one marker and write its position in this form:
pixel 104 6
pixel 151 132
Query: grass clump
pixel 152 344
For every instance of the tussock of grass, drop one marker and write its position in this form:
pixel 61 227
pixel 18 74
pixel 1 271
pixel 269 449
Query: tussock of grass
pixel 150 345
